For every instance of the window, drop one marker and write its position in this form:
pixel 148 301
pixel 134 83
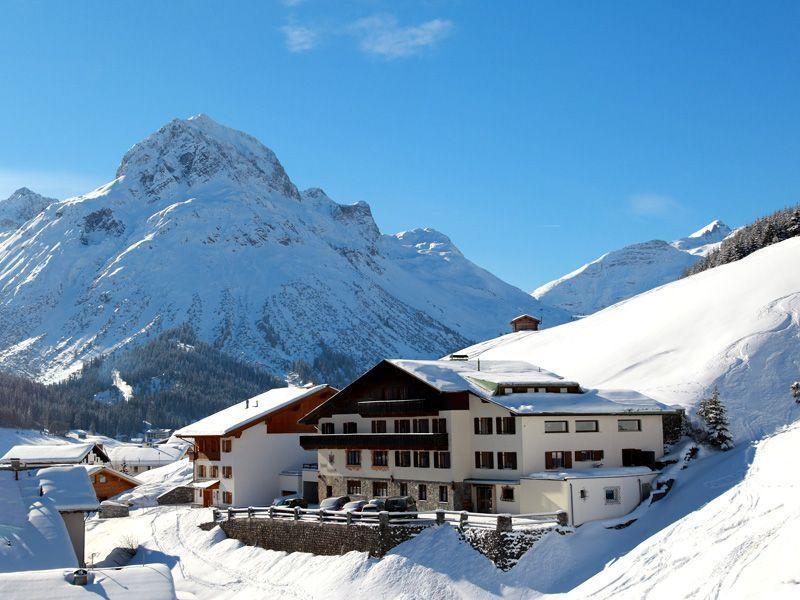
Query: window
pixel 353 458
pixel 402 458
pixel 612 495
pixel 585 426
pixel 227 472
pixel 421 426
pixel 484 460
pixel 584 455
pixel 541 390
pixel 562 390
pixel 558 460
pixel 328 491
pixel 506 425
pixel 422 459
pixel 439 425
pixel 555 427
pixel 226 445
pixel 402 426
pixel 404 489
pixel 214 471
pixel 380 458
pixel 508 390
pixel 380 489
pixel 102 478
pixel 507 493
pixel 442 493
pixel 506 460
pixel 483 425
pixel 629 425
pixel 201 471
pixel 353 487
pixel 379 427
pixel 422 491
pixel 227 497
pixel 326 428
pixel 441 460
pixel 350 427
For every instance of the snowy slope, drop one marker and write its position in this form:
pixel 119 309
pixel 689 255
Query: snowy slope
pixel 742 544
pixel 202 225
pixel 628 271
pixel 736 326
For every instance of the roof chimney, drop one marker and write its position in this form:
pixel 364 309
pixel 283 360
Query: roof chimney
pixel 80 577
pixel 247 403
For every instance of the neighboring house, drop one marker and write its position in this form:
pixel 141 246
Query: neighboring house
pixel 107 482
pixel 477 435
pixel 138 582
pixel 40 455
pixel 42 515
pixel 240 452
pixel 132 459
pixel 157 435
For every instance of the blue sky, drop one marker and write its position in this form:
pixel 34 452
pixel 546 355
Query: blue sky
pixel 537 135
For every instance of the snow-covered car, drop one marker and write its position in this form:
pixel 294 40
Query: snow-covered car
pixel 290 502
pixel 354 506
pixel 334 503
pixel 374 505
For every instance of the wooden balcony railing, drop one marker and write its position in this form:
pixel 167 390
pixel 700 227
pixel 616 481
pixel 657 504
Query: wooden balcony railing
pixel 375 441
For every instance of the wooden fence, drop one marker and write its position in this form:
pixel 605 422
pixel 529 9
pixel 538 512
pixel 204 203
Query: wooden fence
pixel 460 519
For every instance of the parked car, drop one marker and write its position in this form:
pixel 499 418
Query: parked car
pixel 334 503
pixel 290 502
pixel 375 505
pixel 354 506
pixel 397 504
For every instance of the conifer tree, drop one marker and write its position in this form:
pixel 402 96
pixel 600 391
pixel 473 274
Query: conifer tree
pixel 716 419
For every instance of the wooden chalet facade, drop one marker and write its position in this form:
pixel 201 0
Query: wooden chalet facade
pixel 525 323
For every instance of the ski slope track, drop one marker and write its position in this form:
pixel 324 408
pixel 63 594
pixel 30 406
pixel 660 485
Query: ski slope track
pixel 736 326
pixel 202 226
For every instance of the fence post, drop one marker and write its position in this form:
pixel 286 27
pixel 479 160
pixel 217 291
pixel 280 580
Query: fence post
pixel 439 517
pixel 271 512
pixel 462 519
pixel 383 532
pixel 249 512
pixel 215 514
pixel 321 515
pixel 349 518
pixel 296 513
pixel 561 517
pixel 504 523
pixel 230 514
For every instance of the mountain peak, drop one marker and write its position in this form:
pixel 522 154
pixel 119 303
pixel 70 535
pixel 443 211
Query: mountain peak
pixel 21 206
pixel 715 226
pixel 704 239
pixel 198 151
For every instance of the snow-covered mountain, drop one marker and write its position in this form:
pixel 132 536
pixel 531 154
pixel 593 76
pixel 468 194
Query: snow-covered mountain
pixel 736 326
pixel 203 226
pixel 628 271
pixel 19 207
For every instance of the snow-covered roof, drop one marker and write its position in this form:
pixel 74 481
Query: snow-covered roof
pixel 69 488
pixel 132 454
pixel 567 474
pixel 526 316
pixel 464 375
pixel 48 454
pixel 92 469
pixel 591 402
pixel 205 485
pixel 151 581
pixel 241 414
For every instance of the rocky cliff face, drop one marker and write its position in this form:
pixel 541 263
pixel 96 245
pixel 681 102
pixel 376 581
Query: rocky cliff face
pixel 202 226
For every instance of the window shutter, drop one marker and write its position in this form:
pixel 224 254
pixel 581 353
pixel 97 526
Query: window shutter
pixel 568 459
pixel 477 426
pixel 512 464
pixel 548 460
pixel 499 423
pixel 499 458
pixel 490 456
pixel 489 423
pixel 513 425
pixel 477 459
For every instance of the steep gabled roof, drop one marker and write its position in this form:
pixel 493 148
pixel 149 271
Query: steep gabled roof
pixel 158 455
pixel 525 316
pixel 93 469
pixel 69 488
pixel 249 412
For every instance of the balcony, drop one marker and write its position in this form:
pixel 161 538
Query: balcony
pixel 375 441
pixel 417 407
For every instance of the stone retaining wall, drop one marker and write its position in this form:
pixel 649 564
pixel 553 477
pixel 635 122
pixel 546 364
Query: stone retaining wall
pixel 178 495
pixel 318 538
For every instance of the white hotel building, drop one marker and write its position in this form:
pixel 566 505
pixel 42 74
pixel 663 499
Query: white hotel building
pixel 488 436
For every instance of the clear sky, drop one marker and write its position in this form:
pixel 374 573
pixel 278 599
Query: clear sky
pixel 538 135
